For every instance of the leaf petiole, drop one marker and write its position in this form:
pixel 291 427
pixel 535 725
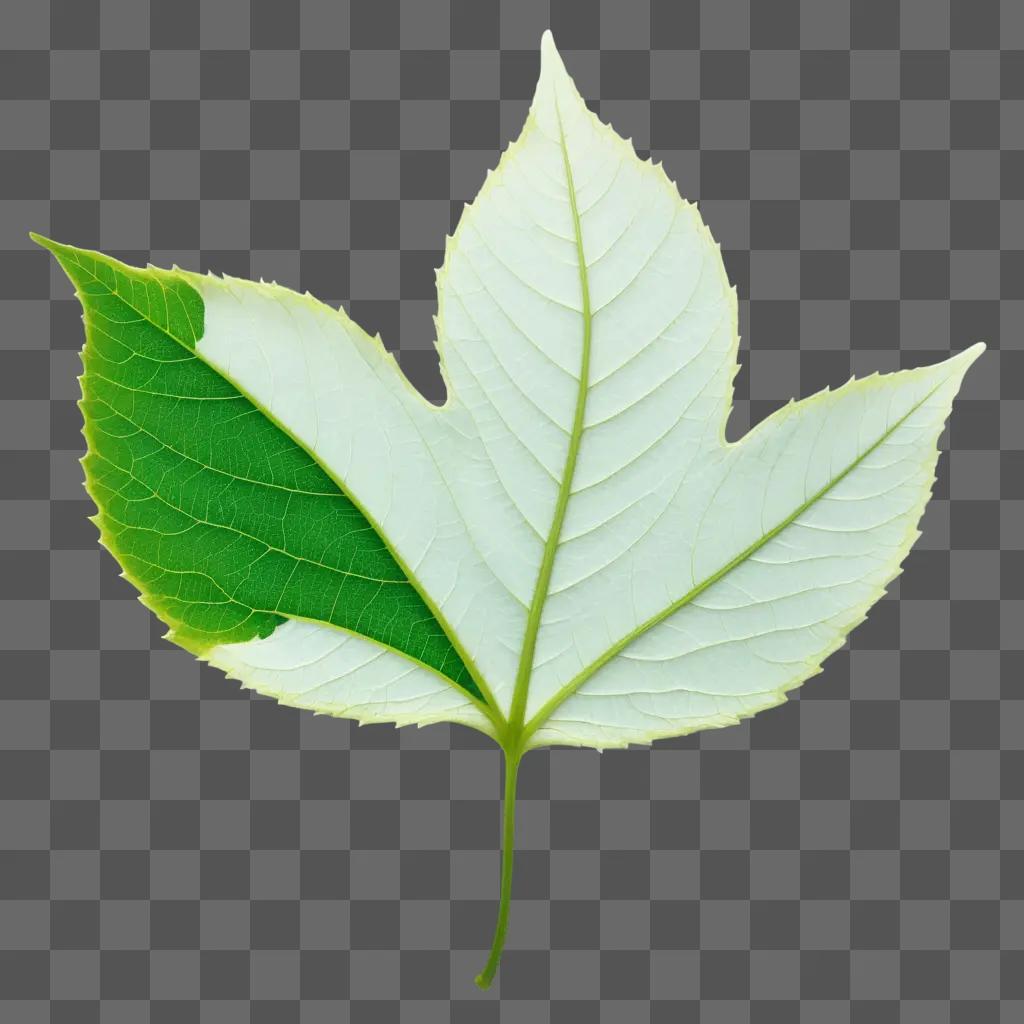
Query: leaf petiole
pixel 515 737
pixel 486 976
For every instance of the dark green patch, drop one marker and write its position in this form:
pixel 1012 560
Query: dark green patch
pixel 219 518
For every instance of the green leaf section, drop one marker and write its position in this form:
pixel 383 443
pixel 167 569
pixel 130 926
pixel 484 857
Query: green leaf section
pixel 221 520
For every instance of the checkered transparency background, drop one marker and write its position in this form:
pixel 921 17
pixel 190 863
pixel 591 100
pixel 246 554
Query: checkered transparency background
pixel 174 851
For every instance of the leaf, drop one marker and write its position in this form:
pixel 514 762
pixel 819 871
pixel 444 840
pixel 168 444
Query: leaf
pixel 568 551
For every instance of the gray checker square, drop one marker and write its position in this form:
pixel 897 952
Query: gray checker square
pixel 174 851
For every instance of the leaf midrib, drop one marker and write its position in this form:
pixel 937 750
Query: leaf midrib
pixel 553 703
pixel 517 713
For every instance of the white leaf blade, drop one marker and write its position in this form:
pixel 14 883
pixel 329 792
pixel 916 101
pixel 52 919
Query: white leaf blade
pixel 768 622
pixel 325 669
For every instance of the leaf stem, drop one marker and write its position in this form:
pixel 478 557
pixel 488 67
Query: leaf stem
pixel 512 758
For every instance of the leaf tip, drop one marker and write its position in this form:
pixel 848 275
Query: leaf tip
pixel 548 50
pixel 43 241
pixel 552 67
pixel 56 249
pixel 972 352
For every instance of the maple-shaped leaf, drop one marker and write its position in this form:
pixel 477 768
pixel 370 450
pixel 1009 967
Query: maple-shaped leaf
pixel 568 550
